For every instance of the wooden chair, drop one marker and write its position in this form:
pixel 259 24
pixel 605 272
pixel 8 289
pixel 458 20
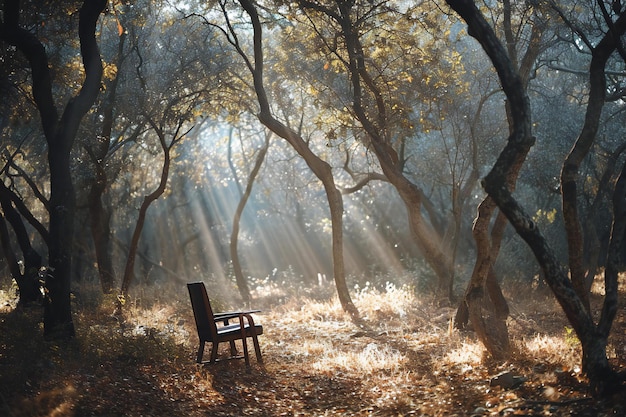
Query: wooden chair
pixel 216 328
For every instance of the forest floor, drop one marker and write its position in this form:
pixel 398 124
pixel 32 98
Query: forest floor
pixel 316 362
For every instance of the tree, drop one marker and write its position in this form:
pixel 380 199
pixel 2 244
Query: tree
pixel 167 146
pixel 169 117
pixel 392 106
pixel 255 64
pixel 100 151
pixel 483 301
pixel 28 280
pixel 241 281
pixel 593 337
pixel 60 133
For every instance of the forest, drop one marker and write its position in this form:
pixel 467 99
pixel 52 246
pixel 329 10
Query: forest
pixel 423 202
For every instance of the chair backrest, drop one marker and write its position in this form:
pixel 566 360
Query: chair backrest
pixel 205 322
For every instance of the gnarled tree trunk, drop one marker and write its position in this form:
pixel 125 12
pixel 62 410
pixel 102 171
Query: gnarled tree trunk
pixel 475 304
pixel 60 134
pixel 593 337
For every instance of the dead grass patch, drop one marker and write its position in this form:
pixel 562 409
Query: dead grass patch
pixel 317 363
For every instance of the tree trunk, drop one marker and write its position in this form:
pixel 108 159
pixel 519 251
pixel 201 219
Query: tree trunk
pixel 495 295
pixel 58 322
pixel 592 337
pixel 60 135
pixel 603 380
pixel 490 329
pixel 129 269
pixel 28 280
pixel 101 234
pixel 429 242
pixel 483 275
pixel 319 167
pixel 100 216
pixel 487 313
pixel 519 106
pixel 241 281
pixel 488 246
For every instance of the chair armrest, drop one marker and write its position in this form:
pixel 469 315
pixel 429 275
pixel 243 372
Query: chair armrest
pixel 236 313
pixel 248 317
pixel 242 326
pixel 225 317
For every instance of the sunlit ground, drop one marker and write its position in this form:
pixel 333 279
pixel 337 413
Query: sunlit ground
pixel 408 361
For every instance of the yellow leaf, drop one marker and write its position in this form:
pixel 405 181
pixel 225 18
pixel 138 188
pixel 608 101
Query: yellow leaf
pixel 120 29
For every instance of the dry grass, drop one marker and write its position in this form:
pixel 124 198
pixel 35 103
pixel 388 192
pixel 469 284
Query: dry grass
pixel 409 361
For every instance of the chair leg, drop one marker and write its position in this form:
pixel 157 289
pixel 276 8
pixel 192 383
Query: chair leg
pixel 200 352
pixel 214 347
pixel 257 348
pixel 245 353
pixel 233 348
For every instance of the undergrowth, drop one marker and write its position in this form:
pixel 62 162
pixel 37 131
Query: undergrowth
pixel 410 360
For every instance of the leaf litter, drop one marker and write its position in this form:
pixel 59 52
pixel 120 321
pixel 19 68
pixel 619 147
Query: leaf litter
pixel 409 361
